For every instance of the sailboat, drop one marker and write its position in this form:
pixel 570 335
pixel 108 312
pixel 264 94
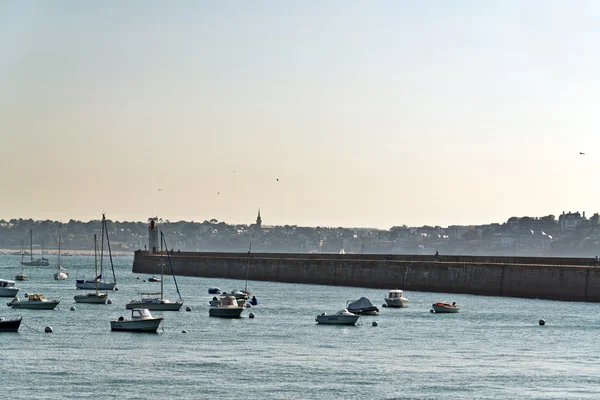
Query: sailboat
pixel 93 297
pixel 98 280
pixel 151 301
pixel 60 275
pixel 40 262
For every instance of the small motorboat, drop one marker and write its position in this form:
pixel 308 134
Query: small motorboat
pixel 8 288
pixel 440 308
pixel 154 279
pixel 362 306
pixel 395 298
pixel 141 321
pixel 342 317
pixel 214 290
pixel 21 277
pixel 228 307
pixel 10 325
pixel 35 301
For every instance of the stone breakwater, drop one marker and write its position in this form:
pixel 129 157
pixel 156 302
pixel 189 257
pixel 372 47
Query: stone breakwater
pixel 574 279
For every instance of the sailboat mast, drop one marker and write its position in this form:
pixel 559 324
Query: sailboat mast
pixel 161 266
pixel 59 237
pixel 96 261
pixel 247 268
pixel 112 265
pixel 101 249
pixel 31 244
pixel 170 265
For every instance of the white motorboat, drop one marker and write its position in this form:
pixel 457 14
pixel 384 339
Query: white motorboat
pixel 98 282
pixel 157 301
pixel 395 298
pixel 35 301
pixel 362 306
pixel 342 317
pixel 8 288
pixel 141 321
pixel 440 308
pixel 228 307
pixel 93 297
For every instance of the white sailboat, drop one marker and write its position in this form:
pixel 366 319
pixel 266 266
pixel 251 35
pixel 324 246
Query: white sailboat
pixel 60 274
pixel 152 301
pixel 40 262
pixel 93 297
pixel 98 281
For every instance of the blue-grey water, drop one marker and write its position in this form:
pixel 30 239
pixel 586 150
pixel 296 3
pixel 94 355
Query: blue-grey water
pixel 493 349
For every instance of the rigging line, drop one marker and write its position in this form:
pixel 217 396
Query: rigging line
pixel 170 264
pixel 110 253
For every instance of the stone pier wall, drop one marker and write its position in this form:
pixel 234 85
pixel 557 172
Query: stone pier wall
pixel 535 277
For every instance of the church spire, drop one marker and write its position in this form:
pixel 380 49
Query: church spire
pixel 258 219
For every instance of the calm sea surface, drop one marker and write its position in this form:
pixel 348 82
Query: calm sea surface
pixel 493 349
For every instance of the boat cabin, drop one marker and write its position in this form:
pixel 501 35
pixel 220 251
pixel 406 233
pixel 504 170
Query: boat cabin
pixel 395 294
pixel 6 284
pixel 228 301
pixel 141 313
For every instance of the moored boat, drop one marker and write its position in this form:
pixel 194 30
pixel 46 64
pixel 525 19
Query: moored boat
pixel 342 317
pixel 21 276
pixel 441 307
pixel 91 298
pixel 35 301
pixel 141 321
pixel 214 290
pixel 10 325
pixel 395 298
pixel 362 306
pixel 8 288
pixel 228 307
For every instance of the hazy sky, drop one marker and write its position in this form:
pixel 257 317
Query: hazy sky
pixel 370 114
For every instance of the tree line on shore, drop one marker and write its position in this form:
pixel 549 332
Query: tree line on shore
pixel 516 236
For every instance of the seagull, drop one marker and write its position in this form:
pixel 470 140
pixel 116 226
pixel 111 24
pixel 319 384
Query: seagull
pixel 277 179
pixel 583 154
pixel 160 190
pixel 218 192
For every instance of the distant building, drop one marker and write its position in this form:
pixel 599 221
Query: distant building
pixel 457 231
pixel 570 221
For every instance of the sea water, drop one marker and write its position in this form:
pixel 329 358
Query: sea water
pixel 493 348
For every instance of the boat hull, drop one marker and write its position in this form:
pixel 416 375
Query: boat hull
pixel 9 291
pixel 146 325
pixel 396 303
pixel 91 285
pixel 10 325
pixel 336 319
pixel 233 312
pixel 60 276
pixel 35 263
pixel 91 298
pixel 445 309
pixel 155 305
pixel 34 305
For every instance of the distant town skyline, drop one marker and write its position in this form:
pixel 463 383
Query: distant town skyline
pixel 320 113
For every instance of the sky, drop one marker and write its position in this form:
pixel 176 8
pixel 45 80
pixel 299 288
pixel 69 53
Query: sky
pixel 337 113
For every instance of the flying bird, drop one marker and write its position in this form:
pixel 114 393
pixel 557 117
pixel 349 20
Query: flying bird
pixel 583 154
pixel 160 190
pixel 277 179
pixel 218 192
